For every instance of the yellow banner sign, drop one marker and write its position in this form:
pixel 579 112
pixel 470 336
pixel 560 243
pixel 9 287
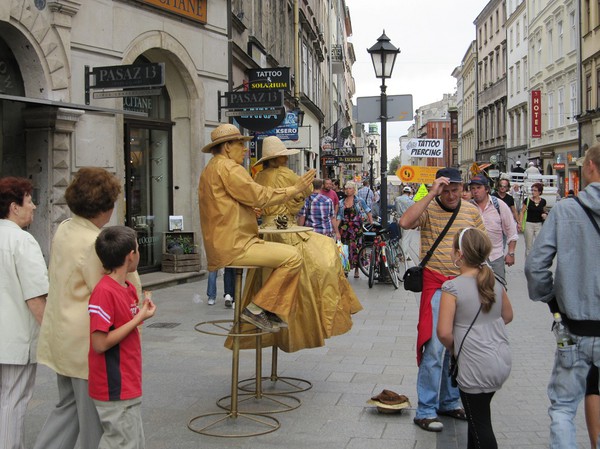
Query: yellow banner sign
pixel 421 193
pixel 414 173
pixel 191 9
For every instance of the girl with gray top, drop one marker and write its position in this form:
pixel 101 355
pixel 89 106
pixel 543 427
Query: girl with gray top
pixel 474 310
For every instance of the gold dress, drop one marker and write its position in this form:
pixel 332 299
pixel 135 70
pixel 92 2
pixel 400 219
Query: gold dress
pixel 325 300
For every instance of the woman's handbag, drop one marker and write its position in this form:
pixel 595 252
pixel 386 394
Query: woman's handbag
pixel 344 255
pixel 413 277
pixel 453 366
pixel 524 221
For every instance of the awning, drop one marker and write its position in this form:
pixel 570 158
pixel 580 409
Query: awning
pixel 60 104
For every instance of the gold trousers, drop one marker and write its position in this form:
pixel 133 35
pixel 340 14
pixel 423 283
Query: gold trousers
pixel 278 292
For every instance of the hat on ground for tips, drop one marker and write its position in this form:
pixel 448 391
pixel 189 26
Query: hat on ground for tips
pixel 479 179
pixel 273 147
pixel 224 133
pixel 451 173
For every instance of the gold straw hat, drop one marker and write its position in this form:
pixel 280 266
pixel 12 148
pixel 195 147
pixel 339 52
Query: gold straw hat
pixel 273 147
pixel 224 133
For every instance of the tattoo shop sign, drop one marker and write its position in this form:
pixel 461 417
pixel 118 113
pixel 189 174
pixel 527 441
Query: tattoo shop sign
pixel 425 148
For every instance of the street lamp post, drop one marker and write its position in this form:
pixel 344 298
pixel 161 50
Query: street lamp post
pixel 383 54
pixel 372 150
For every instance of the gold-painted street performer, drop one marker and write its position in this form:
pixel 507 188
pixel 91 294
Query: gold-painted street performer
pixel 227 197
pixel 325 300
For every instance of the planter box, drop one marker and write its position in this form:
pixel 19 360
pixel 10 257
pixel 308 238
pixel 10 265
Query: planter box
pixel 180 263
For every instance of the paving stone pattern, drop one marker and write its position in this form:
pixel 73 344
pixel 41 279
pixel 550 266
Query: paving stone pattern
pixel 185 372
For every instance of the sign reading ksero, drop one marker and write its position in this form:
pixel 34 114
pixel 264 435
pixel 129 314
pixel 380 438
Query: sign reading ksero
pixel 425 148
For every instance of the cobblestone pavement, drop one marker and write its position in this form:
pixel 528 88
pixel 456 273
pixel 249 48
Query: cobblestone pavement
pixel 185 372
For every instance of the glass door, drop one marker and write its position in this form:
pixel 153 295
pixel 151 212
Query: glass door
pixel 147 193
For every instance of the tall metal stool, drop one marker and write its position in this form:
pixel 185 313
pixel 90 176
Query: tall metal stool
pixel 227 423
pixel 281 385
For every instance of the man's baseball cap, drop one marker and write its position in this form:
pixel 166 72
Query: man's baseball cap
pixel 449 172
pixel 479 179
pixel 407 189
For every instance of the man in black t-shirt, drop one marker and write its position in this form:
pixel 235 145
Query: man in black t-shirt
pixel 502 193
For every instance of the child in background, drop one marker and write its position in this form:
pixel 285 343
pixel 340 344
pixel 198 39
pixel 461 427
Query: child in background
pixel 115 356
pixel 474 311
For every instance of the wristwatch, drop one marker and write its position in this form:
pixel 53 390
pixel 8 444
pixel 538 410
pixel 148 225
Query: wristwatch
pixel 511 254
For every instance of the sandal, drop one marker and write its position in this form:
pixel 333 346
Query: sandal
pixel 429 424
pixel 459 413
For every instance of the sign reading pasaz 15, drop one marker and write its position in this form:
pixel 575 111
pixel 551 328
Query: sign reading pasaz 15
pixel 425 147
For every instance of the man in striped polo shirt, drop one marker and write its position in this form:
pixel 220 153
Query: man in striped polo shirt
pixel 436 394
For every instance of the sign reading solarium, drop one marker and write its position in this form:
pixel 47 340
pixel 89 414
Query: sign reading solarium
pixel 277 78
pixel 425 148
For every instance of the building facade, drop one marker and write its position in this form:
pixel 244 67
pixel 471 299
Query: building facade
pixel 491 83
pixel 554 72
pixel 150 142
pixel 589 117
pixel 517 128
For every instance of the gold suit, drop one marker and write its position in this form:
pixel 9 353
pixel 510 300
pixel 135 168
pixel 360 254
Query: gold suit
pixel 227 195
pixel 324 298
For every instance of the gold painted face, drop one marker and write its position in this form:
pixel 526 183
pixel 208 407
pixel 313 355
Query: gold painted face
pixel 236 150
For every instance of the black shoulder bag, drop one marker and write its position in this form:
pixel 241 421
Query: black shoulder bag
pixel 453 367
pixel 413 277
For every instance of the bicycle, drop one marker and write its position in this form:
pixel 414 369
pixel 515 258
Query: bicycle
pixel 397 259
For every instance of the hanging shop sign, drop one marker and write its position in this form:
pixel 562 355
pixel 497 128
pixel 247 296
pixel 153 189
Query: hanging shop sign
pixel 425 148
pixel 413 173
pixel 536 114
pixel 351 159
pixel 277 78
pixel 190 9
pixel 329 161
pixel 288 130
pixel 111 79
pixel 257 110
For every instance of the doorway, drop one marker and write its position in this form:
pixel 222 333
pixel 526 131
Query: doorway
pixel 148 187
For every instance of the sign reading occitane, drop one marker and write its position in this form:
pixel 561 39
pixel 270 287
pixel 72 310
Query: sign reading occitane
pixel 191 9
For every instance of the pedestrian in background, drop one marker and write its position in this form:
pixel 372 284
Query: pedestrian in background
pixel 432 213
pixel 560 271
pixel 503 193
pixel 592 406
pixel 366 194
pixel 228 287
pixel 317 212
pixel 23 289
pixel 533 214
pixel 499 225
pixel 353 213
pixel 474 311
pixel 74 271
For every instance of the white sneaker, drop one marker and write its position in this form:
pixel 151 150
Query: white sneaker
pixel 228 301
pixel 211 301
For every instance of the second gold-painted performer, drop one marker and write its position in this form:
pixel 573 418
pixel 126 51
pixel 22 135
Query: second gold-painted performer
pixel 325 300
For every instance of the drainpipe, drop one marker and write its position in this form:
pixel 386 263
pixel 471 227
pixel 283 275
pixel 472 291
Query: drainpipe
pixel 296 52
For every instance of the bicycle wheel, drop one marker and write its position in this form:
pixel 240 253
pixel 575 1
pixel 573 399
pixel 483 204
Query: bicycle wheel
pixel 400 263
pixel 372 265
pixel 389 266
pixel 364 259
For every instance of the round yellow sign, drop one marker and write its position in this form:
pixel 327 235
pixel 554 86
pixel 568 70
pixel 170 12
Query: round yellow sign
pixel 406 174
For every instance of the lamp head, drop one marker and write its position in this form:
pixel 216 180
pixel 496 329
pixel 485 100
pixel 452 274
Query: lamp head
pixel 383 54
